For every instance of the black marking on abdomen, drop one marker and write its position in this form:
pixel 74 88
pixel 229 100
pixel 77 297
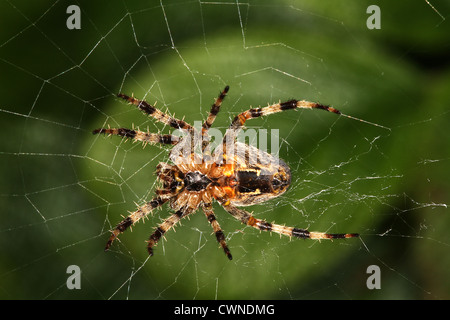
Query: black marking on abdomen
pixel 250 182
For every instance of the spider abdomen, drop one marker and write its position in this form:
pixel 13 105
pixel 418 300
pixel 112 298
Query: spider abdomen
pixel 261 183
pixel 252 182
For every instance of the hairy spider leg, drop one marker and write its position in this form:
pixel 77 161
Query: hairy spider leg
pixel 248 219
pixel 215 108
pixel 160 116
pixel 166 226
pixel 137 135
pixel 154 112
pixel 135 216
pixel 239 121
pixel 207 209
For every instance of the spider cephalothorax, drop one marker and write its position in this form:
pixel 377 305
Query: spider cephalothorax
pixel 230 178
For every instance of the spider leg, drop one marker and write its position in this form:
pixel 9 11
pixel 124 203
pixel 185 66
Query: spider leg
pixel 212 116
pixel 207 209
pixel 246 218
pixel 156 113
pixel 239 121
pixel 134 217
pixel 165 226
pixel 137 135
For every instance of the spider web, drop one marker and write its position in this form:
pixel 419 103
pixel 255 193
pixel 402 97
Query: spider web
pixel 63 188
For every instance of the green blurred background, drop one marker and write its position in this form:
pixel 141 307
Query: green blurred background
pixel 63 188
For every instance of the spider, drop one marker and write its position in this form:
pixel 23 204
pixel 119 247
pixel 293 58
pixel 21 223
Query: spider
pixel 195 181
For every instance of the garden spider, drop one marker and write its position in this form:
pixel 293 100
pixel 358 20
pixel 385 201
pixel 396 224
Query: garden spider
pixel 194 181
